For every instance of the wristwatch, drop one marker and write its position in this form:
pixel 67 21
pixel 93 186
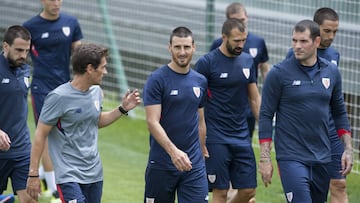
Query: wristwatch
pixel 123 111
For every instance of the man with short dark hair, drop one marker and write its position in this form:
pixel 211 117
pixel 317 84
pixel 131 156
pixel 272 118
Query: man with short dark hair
pixel 174 96
pixel 15 141
pixel 301 91
pixel 232 86
pixel 69 120
pixel 328 20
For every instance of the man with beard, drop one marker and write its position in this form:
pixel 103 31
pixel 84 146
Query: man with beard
pixel 232 86
pixel 328 20
pixel 173 99
pixel 304 92
pixel 255 46
pixel 15 142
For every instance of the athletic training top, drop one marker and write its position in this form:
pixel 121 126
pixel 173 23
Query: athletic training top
pixel 14 88
pixel 302 105
pixel 73 139
pixel 51 50
pixel 332 55
pixel 180 96
pixel 225 110
pixel 256 47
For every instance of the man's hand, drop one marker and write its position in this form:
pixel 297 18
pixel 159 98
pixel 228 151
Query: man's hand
pixel 131 99
pixel 346 162
pixel 181 160
pixel 266 170
pixel 33 187
pixel 4 141
pixel 265 165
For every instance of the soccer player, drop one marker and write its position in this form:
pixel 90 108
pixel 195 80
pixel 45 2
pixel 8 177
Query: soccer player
pixel 69 119
pixel 54 35
pixel 173 99
pixel 254 45
pixel 232 84
pixel 15 142
pixel 301 91
pixel 328 21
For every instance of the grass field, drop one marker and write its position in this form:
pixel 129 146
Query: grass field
pixel 124 146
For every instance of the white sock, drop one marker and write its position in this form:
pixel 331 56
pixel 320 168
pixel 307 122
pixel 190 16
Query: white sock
pixel 50 180
pixel 41 172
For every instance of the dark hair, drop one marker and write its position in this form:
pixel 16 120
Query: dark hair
pixel 310 25
pixel 181 32
pixel 232 23
pixel 16 31
pixel 325 13
pixel 234 8
pixel 85 54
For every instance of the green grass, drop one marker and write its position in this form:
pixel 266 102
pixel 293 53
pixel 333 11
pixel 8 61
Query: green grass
pixel 124 146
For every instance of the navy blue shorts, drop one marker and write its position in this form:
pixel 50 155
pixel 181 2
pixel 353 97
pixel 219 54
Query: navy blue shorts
pixel 190 186
pixel 304 183
pixel 80 193
pixel 37 102
pixel 17 169
pixel 231 163
pixel 334 167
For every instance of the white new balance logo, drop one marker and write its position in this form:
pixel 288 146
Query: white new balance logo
pixel 174 92
pixel 296 82
pixel 223 75
pixel 5 80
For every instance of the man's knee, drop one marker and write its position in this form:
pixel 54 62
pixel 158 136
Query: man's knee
pixel 244 195
pixel 338 186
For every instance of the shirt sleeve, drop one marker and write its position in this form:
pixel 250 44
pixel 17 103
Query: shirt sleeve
pixel 52 109
pixel 337 104
pixel 270 98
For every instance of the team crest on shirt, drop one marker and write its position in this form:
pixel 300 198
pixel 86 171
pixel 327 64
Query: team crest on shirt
pixel 246 72
pixel 196 91
pixel 289 196
pixel 66 31
pixel 26 81
pixel 97 105
pixel 212 178
pixel 253 52
pixel 326 82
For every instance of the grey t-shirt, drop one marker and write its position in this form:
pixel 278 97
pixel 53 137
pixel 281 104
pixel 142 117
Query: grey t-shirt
pixel 73 139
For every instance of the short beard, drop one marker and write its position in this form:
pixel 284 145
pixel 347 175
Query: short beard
pixel 231 50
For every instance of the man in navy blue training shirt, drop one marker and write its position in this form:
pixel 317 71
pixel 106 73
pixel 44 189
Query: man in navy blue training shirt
pixel 54 35
pixel 254 45
pixel 232 84
pixel 174 97
pixel 328 20
pixel 15 142
pixel 301 91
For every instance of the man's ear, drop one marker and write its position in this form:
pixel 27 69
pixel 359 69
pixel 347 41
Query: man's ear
pixel 89 68
pixel 317 41
pixel 6 47
pixel 224 37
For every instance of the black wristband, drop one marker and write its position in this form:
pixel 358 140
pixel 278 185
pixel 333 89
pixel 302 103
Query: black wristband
pixel 122 110
pixel 30 176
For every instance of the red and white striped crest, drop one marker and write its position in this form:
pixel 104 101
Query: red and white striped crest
pixel 326 82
